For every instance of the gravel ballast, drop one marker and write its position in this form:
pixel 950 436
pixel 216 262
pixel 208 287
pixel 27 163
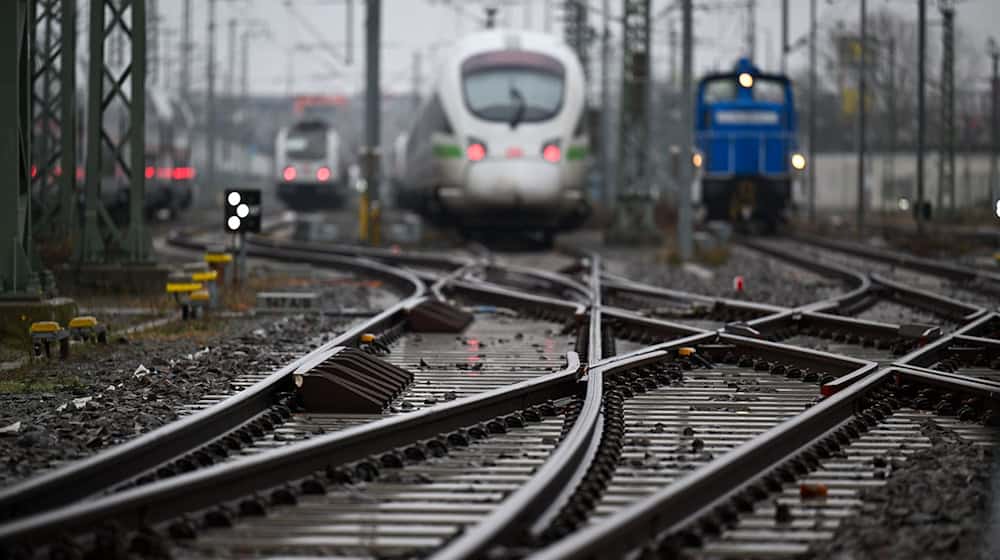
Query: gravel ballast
pixel 937 505
pixel 58 411
pixel 765 279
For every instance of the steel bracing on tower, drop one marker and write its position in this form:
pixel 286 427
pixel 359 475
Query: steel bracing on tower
pixel 53 115
pixel 576 31
pixel 116 99
pixel 634 127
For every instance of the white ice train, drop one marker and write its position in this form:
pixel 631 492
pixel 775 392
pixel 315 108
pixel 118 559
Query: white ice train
pixel 310 162
pixel 500 142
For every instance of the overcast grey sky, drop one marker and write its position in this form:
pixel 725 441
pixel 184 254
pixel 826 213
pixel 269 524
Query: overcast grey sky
pixel 429 25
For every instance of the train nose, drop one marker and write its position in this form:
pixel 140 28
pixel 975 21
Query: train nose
pixel 522 183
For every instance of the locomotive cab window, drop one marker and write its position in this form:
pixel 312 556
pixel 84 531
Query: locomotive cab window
pixel 513 86
pixel 308 143
pixel 719 89
pixel 769 90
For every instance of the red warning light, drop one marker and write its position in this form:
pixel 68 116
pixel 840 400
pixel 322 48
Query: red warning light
pixel 289 174
pixel 323 174
pixel 552 153
pixel 738 283
pixel 475 152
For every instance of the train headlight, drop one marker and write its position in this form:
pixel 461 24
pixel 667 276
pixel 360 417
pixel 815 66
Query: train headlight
pixel 697 160
pixel 903 203
pixel 745 79
pixel 475 151
pixel 798 161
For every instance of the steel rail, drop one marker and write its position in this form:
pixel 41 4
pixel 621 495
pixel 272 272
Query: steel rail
pixel 949 308
pixel 557 283
pixel 164 500
pixel 426 259
pixel 526 512
pixel 83 478
pixel 615 284
pixel 860 284
pixel 679 505
pixel 950 271
pixel 931 353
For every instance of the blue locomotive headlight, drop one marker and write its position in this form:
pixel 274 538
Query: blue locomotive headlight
pixel 697 159
pixel 745 80
pixel 798 161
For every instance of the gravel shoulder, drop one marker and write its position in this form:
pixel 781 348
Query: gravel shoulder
pixel 937 505
pixel 104 395
pixel 53 411
pixel 765 279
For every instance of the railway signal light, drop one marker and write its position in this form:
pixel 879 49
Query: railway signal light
pixel 243 211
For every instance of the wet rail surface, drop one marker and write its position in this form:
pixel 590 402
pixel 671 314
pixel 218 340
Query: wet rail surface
pixel 706 423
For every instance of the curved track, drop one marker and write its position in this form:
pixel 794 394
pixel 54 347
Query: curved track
pixel 607 417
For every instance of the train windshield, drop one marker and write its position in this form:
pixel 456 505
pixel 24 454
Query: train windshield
pixel 513 86
pixel 768 90
pixel 307 143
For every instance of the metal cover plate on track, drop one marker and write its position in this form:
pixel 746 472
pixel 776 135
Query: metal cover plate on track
pixel 348 380
pixel 280 302
pixel 437 316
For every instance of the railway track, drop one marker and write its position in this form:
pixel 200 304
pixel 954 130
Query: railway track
pixel 578 415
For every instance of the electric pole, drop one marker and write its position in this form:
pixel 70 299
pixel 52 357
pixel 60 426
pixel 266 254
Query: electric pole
pixel 784 36
pixel 811 164
pixel 890 168
pixel 751 36
pixel 862 79
pixel 946 155
pixel 995 126
pixel 921 117
pixel 349 33
pixel 370 153
pixel 153 41
pixel 231 78
pixel 417 77
pixel 210 103
pixel 186 48
pixel 684 234
pixel 606 169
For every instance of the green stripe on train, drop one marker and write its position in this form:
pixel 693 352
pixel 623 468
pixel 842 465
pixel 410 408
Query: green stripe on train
pixel 447 151
pixel 576 152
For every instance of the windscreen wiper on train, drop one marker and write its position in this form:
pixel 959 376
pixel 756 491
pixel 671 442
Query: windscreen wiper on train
pixel 515 94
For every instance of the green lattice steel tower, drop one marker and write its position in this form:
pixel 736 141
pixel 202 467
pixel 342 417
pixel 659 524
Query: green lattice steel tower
pixel 634 126
pixel 946 151
pixel 633 213
pixel 576 31
pixel 123 98
pixel 53 111
pixel 16 277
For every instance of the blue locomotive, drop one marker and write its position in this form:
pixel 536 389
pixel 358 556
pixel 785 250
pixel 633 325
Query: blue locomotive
pixel 745 134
